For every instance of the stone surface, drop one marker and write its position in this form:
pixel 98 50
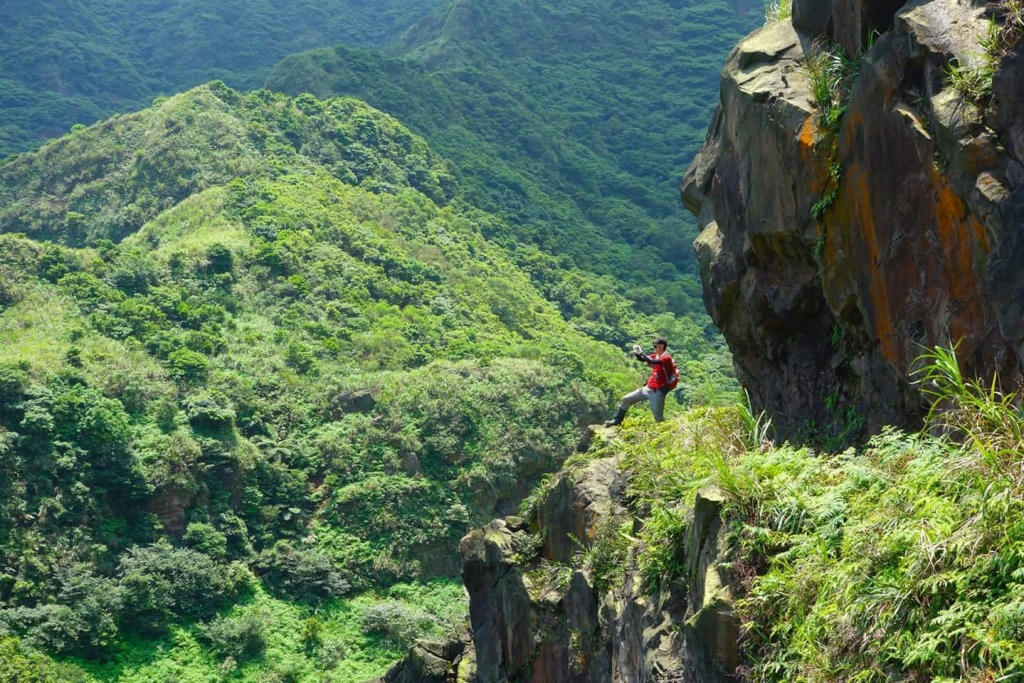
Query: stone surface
pixel 1007 86
pixel 171 508
pixel 577 500
pixel 353 402
pixel 531 626
pixel 433 662
pixel 813 17
pixel 921 246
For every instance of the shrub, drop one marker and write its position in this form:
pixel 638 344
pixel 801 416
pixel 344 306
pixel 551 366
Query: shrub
pixel 239 637
pixel 134 272
pixel 188 366
pixel 18 665
pixel 206 539
pixel 9 292
pixel 220 258
pixel 14 382
pixel 83 619
pixel 210 411
pixel 398 624
pixel 303 574
pixel 160 581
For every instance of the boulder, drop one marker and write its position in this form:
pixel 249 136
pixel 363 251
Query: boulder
pixel 353 402
pixel 433 662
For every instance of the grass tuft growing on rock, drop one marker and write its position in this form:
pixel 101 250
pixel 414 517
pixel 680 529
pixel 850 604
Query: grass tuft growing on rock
pixel 973 79
pixel 778 10
pixel 832 75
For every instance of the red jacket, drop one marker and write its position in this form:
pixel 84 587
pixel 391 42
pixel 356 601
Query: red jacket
pixel 661 368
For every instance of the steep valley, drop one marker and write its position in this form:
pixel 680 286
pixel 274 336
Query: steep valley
pixel 301 384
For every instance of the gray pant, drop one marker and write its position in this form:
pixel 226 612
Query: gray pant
pixel 655 397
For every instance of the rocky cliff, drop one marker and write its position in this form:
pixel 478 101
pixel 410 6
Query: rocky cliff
pixel 834 250
pixel 543 609
pixel 833 253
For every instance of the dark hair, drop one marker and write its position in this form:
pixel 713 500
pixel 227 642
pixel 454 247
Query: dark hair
pixel 661 342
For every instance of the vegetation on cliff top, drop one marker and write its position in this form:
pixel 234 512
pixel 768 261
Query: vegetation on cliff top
pixel 901 560
pixel 974 79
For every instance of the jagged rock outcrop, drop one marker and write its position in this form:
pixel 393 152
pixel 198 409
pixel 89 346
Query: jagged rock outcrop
pixel 536 616
pixel 921 202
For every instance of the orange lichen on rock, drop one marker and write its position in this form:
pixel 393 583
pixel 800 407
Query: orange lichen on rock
pixel 960 234
pixel 808 137
pixel 958 269
pixel 847 253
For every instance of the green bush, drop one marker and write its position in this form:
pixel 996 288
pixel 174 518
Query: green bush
pixel 398 623
pixel 19 665
pixel 204 538
pixel 240 637
pixel 161 581
pixel 188 366
pixel 300 573
pixel 220 258
pixel 210 411
pixel 83 619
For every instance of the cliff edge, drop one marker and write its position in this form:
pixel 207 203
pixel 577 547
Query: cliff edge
pixel 836 246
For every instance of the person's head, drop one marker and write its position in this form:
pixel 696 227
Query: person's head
pixel 660 345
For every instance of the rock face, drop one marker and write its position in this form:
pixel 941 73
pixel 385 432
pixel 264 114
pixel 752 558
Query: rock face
pixel 535 618
pixel 920 243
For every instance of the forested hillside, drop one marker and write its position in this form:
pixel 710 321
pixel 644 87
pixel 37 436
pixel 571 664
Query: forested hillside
pixel 64 62
pixel 265 358
pixel 303 362
pixel 574 120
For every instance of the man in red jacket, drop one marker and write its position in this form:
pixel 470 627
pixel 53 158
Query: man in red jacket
pixel 663 379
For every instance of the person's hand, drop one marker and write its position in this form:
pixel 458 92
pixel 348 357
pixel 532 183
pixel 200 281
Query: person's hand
pixel 638 350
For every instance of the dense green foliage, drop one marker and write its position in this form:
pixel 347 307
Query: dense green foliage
pixel 573 120
pixel 266 640
pixel 64 62
pixel 899 561
pixel 303 361
pixel 261 354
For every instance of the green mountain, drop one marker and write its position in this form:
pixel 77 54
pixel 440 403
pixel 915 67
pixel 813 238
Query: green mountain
pixel 265 359
pixel 64 62
pixel 574 120
pixel 303 359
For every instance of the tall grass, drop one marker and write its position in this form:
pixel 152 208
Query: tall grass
pixel 777 10
pixel 831 74
pixel 974 79
pixel 902 562
pixel 986 420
